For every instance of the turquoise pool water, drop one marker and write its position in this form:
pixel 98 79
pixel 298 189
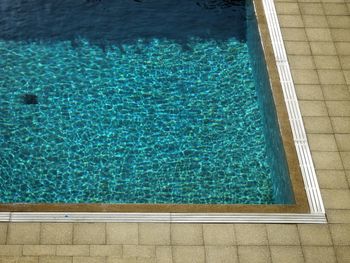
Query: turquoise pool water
pixel 145 116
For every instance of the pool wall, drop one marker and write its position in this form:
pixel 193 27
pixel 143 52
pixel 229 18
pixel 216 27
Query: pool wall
pixel 281 184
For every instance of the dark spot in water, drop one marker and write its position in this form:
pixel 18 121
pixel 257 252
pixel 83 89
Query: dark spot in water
pixel 186 47
pixel 75 43
pixel 30 99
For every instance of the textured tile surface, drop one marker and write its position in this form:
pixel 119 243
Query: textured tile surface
pixel 55 233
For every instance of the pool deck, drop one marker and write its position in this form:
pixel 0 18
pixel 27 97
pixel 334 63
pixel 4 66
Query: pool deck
pixel 316 34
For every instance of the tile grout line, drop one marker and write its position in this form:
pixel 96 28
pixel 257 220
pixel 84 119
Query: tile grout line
pixel 7 233
pixel 268 242
pixel 171 242
pixel 204 245
pixel 236 241
pixel 299 238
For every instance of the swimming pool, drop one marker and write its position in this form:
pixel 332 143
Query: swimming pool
pixel 137 102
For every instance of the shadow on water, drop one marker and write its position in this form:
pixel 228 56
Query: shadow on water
pixel 121 21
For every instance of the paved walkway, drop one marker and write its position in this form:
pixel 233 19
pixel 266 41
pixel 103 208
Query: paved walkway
pixel 317 39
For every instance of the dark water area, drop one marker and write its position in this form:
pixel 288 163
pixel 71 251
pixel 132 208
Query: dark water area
pixel 121 21
pixel 143 120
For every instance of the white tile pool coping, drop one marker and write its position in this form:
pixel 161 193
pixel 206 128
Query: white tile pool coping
pixel 317 211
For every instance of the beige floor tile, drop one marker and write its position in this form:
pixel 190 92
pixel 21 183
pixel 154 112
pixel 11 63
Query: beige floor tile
pixel 279 234
pixel 298 48
pixel 294 34
pixel 122 233
pixel 332 1
pixel 301 62
pixel 309 1
pixel 327 62
pixel 23 233
pixel 130 251
pixel 128 260
pixel 315 21
pixel 286 254
pixel 343 48
pixel 39 250
pixel 106 250
pixel 218 234
pixel 338 108
pixel 3 233
pixel 186 234
pixel 305 76
pixel 164 254
pixel 248 234
pixel 345 156
pixel 154 234
pixel 53 259
pixel 319 254
pixel 322 142
pixel 254 254
pixel 318 34
pixel 335 9
pixel 56 233
pixel 336 92
pixel 188 254
pixel 313 108
pixel 341 124
pixel 314 235
pixel 345 62
pixel 72 250
pixel 10 250
pixel 289 1
pixel 89 259
pixel 131 260
pixel 19 259
pixel 222 254
pixel 317 125
pixel 327 76
pixel 340 34
pixel 146 260
pixel 343 141
pixel 338 216
pixel 332 179
pixel 339 21
pixel 290 21
pixel 311 8
pixel 343 254
pixel 89 233
pixel 323 48
pixel 327 160
pixel 287 8
pixel 336 198
pixel 340 234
